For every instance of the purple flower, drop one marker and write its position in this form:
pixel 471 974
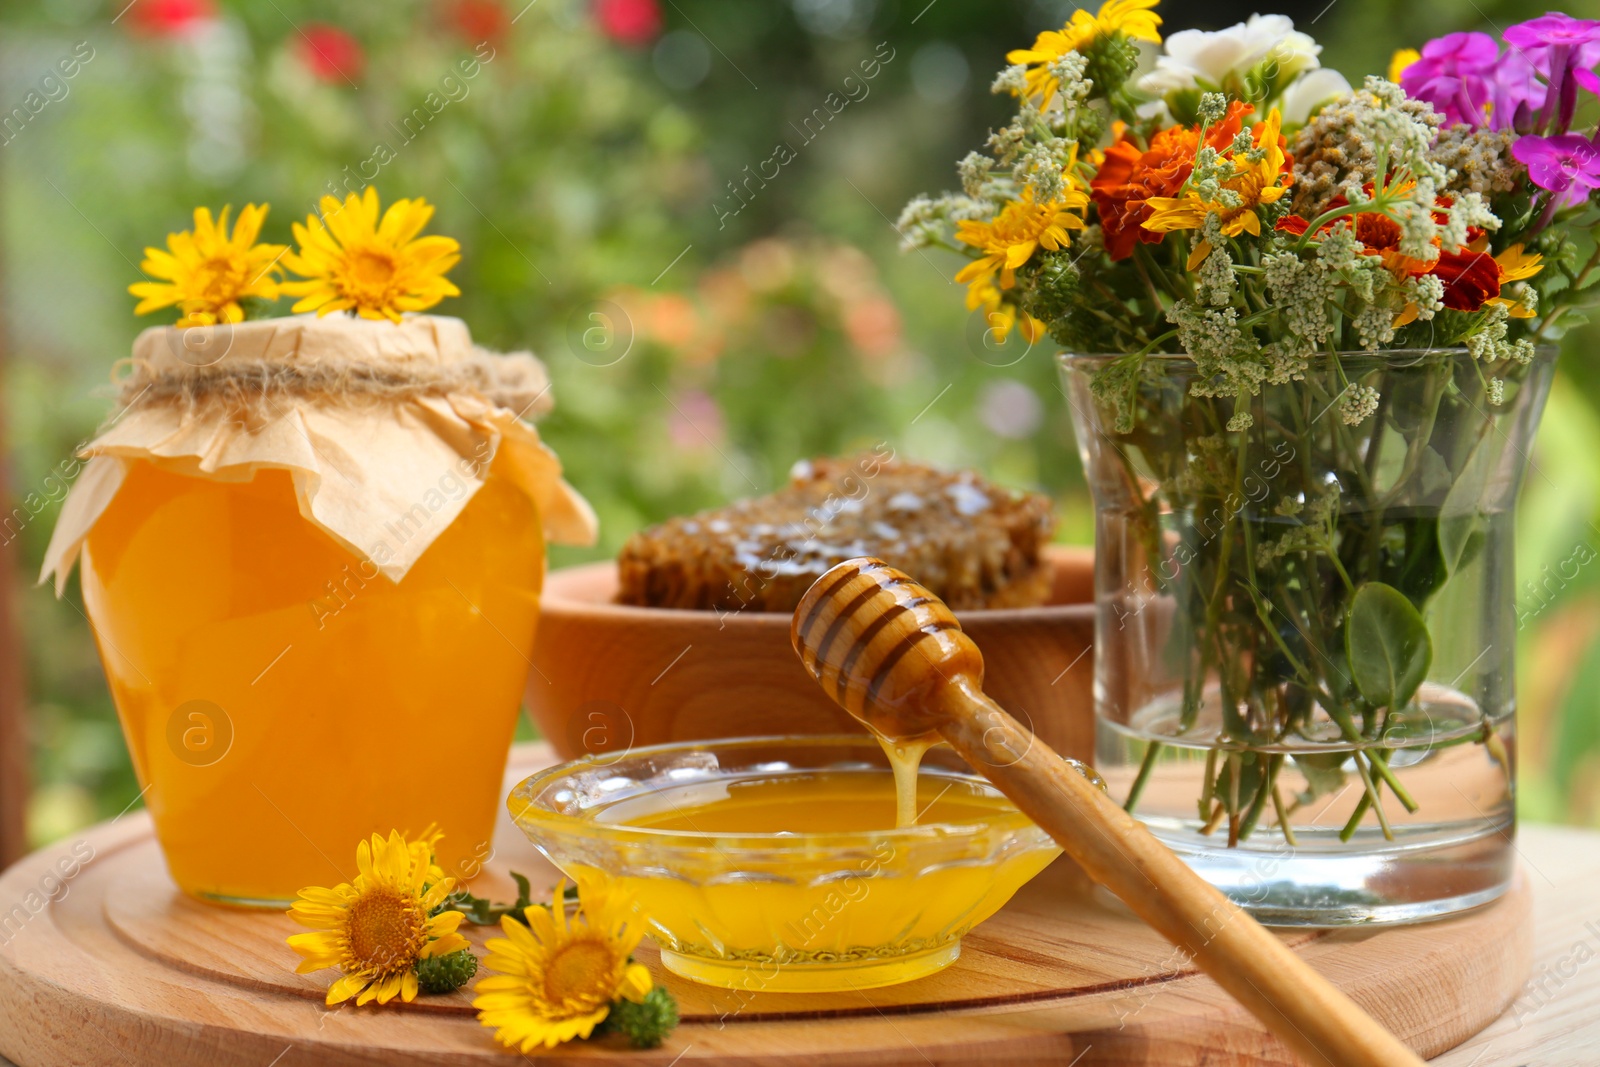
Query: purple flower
pixel 1554 30
pixel 1514 84
pixel 1568 165
pixel 1564 50
pixel 1453 76
pixel 1466 79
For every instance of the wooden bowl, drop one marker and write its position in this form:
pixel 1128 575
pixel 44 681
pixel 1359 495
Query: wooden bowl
pixel 609 677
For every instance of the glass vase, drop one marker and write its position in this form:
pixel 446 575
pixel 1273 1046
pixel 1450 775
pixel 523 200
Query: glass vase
pixel 1304 678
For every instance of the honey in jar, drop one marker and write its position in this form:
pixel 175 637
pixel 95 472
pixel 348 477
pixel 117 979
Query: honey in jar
pixel 284 692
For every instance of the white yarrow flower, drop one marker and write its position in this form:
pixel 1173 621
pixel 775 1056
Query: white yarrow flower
pixel 1358 404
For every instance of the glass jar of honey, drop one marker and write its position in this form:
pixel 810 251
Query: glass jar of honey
pixel 313 568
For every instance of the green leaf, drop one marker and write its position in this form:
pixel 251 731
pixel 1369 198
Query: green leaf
pixel 481 911
pixel 1461 513
pixel 1433 473
pixel 1324 773
pixel 1387 644
pixel 1422 569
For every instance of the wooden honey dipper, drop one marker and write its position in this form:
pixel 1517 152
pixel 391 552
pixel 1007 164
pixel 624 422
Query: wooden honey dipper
pixel 893 655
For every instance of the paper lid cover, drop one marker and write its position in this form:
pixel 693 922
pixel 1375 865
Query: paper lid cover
pixel 368 417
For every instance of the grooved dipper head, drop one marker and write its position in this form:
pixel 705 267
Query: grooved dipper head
pixel 882 646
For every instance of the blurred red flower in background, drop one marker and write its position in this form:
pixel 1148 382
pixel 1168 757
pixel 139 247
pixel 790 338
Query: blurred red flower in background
pixel 330 54
pixel 167 18
pixel 873 326
pixel 696 421
pixel 477 20
pixel 631 22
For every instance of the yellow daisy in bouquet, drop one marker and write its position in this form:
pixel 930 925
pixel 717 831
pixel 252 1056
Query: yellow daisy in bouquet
pixel 1255 176
pixel 1134 19
pixel 1008 241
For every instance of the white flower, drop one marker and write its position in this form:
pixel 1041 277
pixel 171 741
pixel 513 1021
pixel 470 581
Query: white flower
pixel 1427 293
pixel 1358 404
pixel 1313 88
pixel 1155 111
pixel 1198 60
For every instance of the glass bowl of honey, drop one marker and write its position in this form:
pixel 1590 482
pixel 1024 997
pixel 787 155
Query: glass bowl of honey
pixel 774 864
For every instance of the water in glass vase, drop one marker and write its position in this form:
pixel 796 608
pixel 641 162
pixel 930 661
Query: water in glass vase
pixel 1336 864
pixel 1304 674
pixel 1391 815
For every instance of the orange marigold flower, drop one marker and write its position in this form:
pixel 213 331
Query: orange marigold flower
pixel 1129 177
pixel 1255 184
pixel 1380 236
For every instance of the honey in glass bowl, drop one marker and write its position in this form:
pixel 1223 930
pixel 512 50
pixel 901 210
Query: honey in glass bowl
pixel 775 864
pixel 284 695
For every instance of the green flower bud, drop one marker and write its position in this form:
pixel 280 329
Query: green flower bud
pixel 448 973
pixel 646 1024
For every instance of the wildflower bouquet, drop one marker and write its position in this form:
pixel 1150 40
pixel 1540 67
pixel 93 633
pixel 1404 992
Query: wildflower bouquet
pixel 1306 328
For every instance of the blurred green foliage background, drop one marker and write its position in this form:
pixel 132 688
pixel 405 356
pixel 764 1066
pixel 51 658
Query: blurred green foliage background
pixel 704 329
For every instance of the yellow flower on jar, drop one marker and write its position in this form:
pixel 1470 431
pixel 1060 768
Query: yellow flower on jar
pixel 1254 183
pixel 377 927
pixel 1132 18
pixel 558 977
pixel 206 271
pixel 352 261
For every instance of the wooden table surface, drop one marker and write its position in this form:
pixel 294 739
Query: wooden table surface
pixel 1555 1022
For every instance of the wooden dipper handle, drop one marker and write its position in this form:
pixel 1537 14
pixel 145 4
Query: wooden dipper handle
pixel 893 655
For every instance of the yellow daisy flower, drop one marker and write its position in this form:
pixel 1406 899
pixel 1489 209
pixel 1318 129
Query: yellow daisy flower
pixel 1132 18
pixel 376 928
pixel 1263 182
pixel 1515 265
pixel 1010 239
pixel 206 272
pixel 1402 59
pixel 558 978
pixel 1001 315
pixel 429 839
pixel 354 262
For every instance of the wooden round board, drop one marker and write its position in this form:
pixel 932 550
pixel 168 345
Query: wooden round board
pixel 114 966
